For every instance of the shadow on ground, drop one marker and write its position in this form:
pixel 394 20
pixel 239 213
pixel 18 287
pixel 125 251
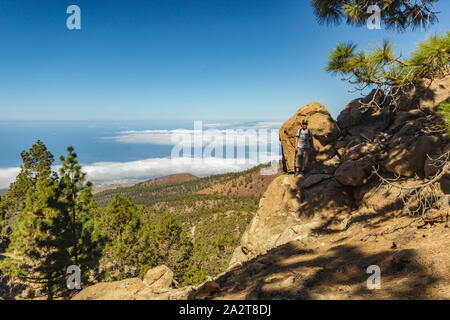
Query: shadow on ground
pixel 290 272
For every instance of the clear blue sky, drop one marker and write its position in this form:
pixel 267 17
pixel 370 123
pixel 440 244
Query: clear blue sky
pixel 166 59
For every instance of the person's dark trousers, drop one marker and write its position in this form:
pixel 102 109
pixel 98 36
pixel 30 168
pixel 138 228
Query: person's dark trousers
pixel 302 157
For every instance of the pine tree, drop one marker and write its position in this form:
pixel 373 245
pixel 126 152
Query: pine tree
pixel 39 241
pixel 85 241
pixel 56 229
pixel 395 14
pixel 173 245
pixel 383 69
pixel 71 184
pixel 129 244
pixel 34 162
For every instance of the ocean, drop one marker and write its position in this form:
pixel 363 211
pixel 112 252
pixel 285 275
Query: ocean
pixel 92 140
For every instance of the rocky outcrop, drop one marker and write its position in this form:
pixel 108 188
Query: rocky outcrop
pixel 360 119
pixel 292 208
pixel 414 264
pixel 426 95
pixel 158 284
pixel 365 137
pixel 321 124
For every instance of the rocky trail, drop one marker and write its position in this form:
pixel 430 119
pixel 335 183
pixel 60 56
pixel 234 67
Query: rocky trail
pixel 414 263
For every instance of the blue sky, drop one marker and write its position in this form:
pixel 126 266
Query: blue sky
pixel 166 59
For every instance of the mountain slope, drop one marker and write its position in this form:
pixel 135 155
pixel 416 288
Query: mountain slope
pixel 177 188
pixel 214 211
pixel 170 179
pixel 377 195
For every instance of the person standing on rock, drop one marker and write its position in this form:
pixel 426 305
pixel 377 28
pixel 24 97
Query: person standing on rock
pixel 303 146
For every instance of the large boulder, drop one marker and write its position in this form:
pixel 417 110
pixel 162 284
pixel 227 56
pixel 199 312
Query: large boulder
pixel 354 173
pixel 426 95
pixel 408 158
pixel 354 111
pixel 361 118
pixel 321 124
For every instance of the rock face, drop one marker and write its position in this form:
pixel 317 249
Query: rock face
pixel 359 120
pixel 321 124
pixel 291 208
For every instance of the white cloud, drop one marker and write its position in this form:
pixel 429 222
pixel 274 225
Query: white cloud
pixel 153 167
pixel 7 175
pixel 234 131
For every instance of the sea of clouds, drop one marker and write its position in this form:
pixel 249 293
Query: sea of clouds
pixel 241 133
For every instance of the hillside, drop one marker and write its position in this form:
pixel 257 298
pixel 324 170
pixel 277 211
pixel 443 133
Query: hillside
pixel 167 180
pixel 213 210
pixel 188 192
pixel 196 199
pixel 376 195
pixel 161 181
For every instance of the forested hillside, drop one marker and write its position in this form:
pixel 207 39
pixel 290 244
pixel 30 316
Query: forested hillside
pixel 214 211
pixel 49 221
pixel 248 182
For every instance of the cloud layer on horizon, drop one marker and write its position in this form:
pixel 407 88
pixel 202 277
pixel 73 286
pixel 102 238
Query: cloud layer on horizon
pixel 7 175
pixel 154 167
pixel 248 133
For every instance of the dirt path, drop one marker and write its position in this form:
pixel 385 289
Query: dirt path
pixel 414 264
